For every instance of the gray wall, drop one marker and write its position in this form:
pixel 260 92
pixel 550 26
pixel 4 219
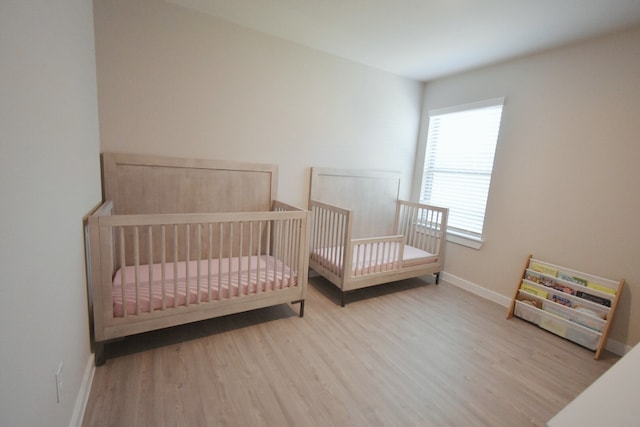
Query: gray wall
pixel 176 82
pixel 50 179
pixel 565 182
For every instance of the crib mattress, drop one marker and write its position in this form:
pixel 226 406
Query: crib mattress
pixel 230 277
pixel 369 259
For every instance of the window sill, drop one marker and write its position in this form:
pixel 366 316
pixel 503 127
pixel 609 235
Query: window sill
pixel 464 239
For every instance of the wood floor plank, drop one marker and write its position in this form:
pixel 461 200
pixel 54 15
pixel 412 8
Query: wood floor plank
pixel 402 354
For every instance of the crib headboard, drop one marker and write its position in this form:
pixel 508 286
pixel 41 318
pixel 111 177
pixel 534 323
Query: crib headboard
pixel 140 184
pixel 371 195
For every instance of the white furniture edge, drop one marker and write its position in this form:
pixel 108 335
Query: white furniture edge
pixel 610 401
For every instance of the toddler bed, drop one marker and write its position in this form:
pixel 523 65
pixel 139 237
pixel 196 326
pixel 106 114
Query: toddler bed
pixel 180 240
pixel 363 235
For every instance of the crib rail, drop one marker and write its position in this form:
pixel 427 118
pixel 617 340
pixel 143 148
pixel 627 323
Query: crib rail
pixel 376 255
pixel 330 234
pixel 168 262
pixel 333 251
pixel 423 225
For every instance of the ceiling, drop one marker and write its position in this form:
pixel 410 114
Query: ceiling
pixel 426 39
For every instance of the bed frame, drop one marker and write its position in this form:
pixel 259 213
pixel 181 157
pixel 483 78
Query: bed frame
pixel 204 238
pixel 363 235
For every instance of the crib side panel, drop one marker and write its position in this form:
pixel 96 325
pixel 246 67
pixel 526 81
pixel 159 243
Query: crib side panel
pixel 101 254
pixel 330 241
pixel 424 226
pixel 267 266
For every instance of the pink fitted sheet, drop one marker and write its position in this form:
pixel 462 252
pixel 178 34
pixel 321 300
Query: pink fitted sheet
pixel 370 259
pixel 231 277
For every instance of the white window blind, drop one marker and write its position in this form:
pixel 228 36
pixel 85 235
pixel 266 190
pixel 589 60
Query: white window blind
pixel 459 155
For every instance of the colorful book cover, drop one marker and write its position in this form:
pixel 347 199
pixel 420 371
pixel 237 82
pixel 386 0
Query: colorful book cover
pixel 601 288
pixel 533 277
pixel 529 300
pixel 533 290
pixel 594 298
pixel 561 300
pixel 572 279
pixel 549 271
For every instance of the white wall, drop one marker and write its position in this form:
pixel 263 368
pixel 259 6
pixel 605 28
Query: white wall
pixel 49 179
pixel 566 175
pixel 176 82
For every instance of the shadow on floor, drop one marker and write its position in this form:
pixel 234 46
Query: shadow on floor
pixel 191 331
pixel 331 292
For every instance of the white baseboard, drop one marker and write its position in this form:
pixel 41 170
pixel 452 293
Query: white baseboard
pixel 475 289
pixel 83 394
pixel 613 346
pixel 617 347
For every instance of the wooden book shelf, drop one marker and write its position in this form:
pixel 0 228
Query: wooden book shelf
pixel 572 304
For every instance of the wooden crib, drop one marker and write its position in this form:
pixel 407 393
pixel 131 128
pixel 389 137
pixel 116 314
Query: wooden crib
pixel 180 240
pixel 363 235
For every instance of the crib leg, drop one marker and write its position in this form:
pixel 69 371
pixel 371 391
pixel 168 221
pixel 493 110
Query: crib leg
pixel 301 301
pixel 100 358
pixel 437 278
pixel 342 299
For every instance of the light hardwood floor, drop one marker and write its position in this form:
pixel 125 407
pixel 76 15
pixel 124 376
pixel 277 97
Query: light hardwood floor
pixel 401 354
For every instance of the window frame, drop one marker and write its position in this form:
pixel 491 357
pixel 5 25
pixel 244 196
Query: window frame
pixel 469 239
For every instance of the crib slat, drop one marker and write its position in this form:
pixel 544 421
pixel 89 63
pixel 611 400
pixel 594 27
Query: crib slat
pixel 324 237
pixel 423 228
pixel 322 233
pixel 334 236
pixel 220 249
pixel 163 248
pixel 431 223
pixel 412 225
pixel 187 239
pixel 136 266
pixel 229 258
pixel 250 254
pixel 199 246
pixel 175 265
pixel 407 224
pixel 150 264
pixel 296 252
pixel 278 249
pixel 431 220
pixel 209 255
pixel 268 253
pixel 296 243
pixel 331 243
pixel 259 255
pixel 287 259
pixel 123 275
pixel 240 241
pixel 275 251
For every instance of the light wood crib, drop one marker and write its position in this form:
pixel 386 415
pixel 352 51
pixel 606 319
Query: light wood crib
pixel 363 235
pixel 181 240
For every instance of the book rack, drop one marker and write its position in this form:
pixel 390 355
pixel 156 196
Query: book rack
pixel 569 303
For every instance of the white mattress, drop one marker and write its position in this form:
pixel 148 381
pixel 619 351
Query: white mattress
pixel 369 259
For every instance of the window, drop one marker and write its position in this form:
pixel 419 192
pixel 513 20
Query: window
pixel 461 145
